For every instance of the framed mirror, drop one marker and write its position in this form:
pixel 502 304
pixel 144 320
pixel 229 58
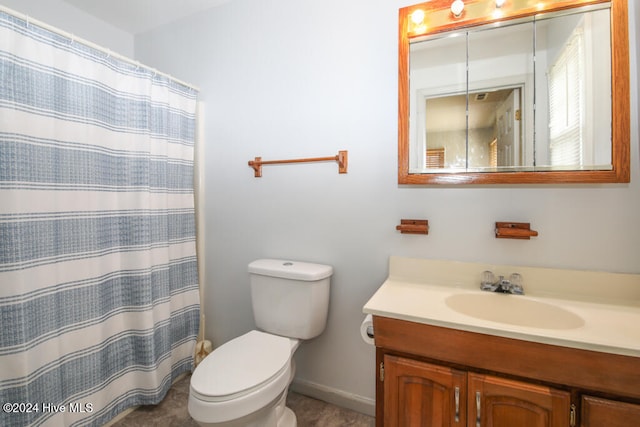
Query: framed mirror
pixel 515 91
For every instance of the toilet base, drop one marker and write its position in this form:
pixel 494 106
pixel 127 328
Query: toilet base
pixel 275 414
pixel 288 419
pixel 284 415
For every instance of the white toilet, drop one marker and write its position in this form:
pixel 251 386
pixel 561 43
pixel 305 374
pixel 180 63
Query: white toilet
pixel 244 382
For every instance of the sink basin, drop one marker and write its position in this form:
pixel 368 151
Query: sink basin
pixel 514 310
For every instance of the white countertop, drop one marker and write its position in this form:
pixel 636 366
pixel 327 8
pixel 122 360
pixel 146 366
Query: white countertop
pixel 417 294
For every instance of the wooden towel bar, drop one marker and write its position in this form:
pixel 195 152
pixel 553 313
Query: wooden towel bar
pixel 341 158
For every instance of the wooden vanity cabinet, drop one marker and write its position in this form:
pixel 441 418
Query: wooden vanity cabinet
pixel 431 376
pixel 597 412
pixel 499 402
pixel 423 394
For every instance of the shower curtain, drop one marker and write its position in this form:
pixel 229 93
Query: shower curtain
pixel 99 304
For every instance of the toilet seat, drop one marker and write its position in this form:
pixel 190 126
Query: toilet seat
pixel 241 366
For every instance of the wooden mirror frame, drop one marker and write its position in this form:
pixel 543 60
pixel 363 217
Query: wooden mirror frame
pixel 620 102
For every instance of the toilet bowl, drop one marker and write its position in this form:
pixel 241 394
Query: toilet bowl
pixel 244 382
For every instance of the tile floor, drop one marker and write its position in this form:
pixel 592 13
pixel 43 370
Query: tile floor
pixel 172 412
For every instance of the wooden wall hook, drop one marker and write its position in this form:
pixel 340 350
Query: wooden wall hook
pixel 514 230
pixel 413 226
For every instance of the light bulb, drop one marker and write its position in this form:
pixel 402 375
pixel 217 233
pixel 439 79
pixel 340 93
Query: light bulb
pixel 457 7
pixel 417 17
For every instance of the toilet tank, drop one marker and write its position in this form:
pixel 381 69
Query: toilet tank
pixel 290 298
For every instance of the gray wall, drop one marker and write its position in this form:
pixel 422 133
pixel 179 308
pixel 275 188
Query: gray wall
pixel 287 79
pixel 73 20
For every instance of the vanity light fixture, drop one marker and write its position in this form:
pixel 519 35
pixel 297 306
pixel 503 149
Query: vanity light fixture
pixel 417 17
pixel 418 25
pixel 457 7
pixel 498 13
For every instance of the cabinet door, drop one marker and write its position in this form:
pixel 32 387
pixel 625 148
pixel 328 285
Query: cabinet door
pixel 598 412
pixel 497 402
pixel 418 394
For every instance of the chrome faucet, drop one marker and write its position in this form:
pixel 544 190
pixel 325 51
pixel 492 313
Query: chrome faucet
pixel 513 285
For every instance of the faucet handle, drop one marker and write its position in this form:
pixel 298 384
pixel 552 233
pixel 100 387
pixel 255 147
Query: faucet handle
pixel 488 277
pixel 488 281
pixel 516 279
pixel 516 283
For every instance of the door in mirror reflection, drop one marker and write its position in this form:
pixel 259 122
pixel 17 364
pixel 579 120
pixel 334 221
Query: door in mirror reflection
pixel 491 138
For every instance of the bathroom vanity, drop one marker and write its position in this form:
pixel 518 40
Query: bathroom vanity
pixel 449 354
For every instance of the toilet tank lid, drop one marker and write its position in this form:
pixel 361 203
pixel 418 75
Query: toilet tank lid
pixel 295 270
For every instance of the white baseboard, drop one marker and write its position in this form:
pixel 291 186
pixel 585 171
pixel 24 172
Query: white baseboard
pixel 364 405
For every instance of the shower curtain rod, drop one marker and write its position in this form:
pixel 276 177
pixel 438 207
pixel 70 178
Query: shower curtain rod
pixel 80 40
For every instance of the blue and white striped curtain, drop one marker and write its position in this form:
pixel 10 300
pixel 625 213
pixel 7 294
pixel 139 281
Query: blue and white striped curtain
pixel 99 305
